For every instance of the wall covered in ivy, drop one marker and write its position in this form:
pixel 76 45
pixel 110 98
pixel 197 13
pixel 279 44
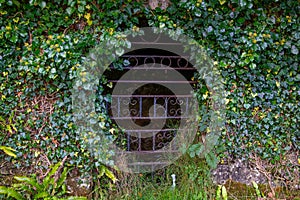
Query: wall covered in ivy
pixel 255 45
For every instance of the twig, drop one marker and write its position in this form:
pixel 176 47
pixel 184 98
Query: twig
pixel 60 167
pixel 262 169
pixel 49 164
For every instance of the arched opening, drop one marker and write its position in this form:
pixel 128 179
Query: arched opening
pixel 152 99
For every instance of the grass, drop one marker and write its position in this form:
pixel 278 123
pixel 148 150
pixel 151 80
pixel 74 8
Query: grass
pixel 192 182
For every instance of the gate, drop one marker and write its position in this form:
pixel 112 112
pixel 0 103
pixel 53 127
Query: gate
pixel 150 102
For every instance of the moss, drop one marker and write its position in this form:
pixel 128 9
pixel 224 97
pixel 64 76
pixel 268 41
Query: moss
pixel 242 191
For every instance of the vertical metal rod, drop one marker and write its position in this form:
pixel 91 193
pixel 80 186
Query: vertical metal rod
pixel 153 141
pixel 140 141
pixel 187 107
pixel 154 104
pixel 141 106
pixel 118 106
pixel 166 108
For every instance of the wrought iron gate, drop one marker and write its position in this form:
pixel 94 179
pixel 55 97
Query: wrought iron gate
pixel 152 100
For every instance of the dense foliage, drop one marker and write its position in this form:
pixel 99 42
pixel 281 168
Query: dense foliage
pixel 255 45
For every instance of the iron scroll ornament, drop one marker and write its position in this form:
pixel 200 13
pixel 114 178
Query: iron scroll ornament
pixel 95 129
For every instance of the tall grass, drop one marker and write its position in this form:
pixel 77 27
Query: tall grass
pixel 192 182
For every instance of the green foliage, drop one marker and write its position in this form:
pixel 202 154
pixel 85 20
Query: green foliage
pixel 8 150
pixel 258 193
pixel 221 191
pixel 255 46
pixel 52 186
pixel 224 193
pixel 105 171
pixel 218 192
pixel 192 182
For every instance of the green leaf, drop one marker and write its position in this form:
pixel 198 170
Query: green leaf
pixel 48 180
pixel 17 3
pixel 28 180
pixel 101 171
pixel 247 106
pixel 53 70
pixel 8 151
pixel 70 10
pixel 110 175
pixel 62 177
pixel 224 193
pixel 295 50
pixel 211 159
pixel 11 193
pixel 2 120
pixel 42 4
pixel 42 194
pixel 54 169
pixel 222 1
pixel 120 51
pixel 76 198
pixel 81 9
pixel 242 3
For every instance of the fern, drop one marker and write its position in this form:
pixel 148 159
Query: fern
pixel 50 188
pixel 30 181
pixel 11 193
pixel 108 173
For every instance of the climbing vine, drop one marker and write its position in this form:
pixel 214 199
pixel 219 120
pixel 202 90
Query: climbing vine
pixel 255 45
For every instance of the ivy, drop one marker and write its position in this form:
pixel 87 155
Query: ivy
pixel 255 46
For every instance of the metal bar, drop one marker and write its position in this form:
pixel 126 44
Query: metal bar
pixel 187 107
pixel 141 106
pixel 154 109
pixel 156 56
pixel 151 95
pixel 148 152
pixel 160 68
pixel 154 130
pixel 171 117
pixel 148 163
pixel 166 109
pixel 140 142
pixel 118 106
pixel 153 140
pixel 158 43
pixel 149 81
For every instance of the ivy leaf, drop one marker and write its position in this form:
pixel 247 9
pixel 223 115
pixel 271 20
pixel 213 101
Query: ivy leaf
pixel 222 1
pixel 42 4
pixel 211 160
pixel 247 106
pixel 242 3
pixel 295 50
pixel 70 10
pixel 209 29
pixel 53 70
pixel 17 3
pixel 120 51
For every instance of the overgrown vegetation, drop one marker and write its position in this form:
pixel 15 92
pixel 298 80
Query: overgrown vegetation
pixel 51 187
pixel 255 45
